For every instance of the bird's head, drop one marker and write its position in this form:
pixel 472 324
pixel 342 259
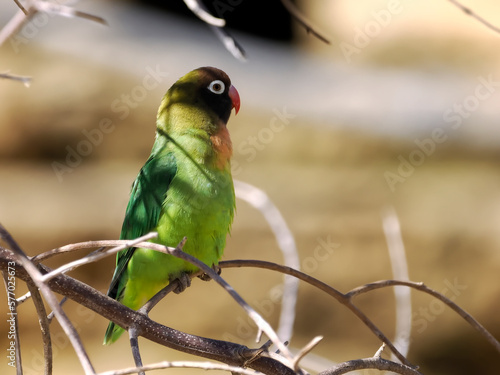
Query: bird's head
pixel 203 97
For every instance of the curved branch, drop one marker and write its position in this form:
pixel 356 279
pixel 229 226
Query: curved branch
pixel 376 363
pixel 295 13
pixel 423 288
pixel 471 13
pixel 286 242
pixel 180 364
pixel 399 265
pixel 199 9
pixel 340 297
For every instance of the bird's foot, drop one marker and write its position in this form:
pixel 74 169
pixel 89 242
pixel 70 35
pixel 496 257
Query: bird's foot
pixel 206 277
pixel 184 281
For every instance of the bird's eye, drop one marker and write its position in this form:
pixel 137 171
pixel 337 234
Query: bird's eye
pixel 217 86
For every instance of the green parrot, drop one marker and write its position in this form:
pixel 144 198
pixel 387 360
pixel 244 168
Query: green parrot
pixel 184 189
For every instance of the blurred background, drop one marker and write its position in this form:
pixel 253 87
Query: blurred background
pixel 400 110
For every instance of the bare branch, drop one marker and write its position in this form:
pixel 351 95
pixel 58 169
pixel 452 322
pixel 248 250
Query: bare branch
pixel 376 363
pixel 397 255
pixel 65 11
pixel 25 14
pixel 295 13
pixel 134 344
pixel 474 15
pixel 18 3
pixel 44 326
pixel 77 246
pixel 286 242
pixel 14 25
pixel 181 364
pixel 229 43
pixel 25 80
pixel 96 256
pixel 304 351
pixel 379 351
pixel 23 298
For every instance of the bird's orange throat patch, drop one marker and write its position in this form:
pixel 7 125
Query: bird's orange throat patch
pixel 223 147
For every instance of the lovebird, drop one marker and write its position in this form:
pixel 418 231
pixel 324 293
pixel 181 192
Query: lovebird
pixel 184 189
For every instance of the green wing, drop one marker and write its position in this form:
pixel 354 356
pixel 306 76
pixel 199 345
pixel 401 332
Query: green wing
pixel 143 211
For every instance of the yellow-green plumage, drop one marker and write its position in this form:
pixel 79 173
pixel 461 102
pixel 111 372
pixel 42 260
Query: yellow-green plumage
pixel 184 189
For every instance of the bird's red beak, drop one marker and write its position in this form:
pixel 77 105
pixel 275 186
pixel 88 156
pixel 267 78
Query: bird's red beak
pixel 235 98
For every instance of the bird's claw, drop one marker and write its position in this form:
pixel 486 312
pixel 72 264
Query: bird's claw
pixel 184 281
pixel 206 277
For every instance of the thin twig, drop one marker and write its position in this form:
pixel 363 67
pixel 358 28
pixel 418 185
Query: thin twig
pixel 51 300
pixel 74 247
pixel 134 344
pixel 474 15
pixel 25 80
pixel 66 11
pixel 26 14
pixel 286 242
pixel 44 327
pixel 14 25
pixel 295 13
pixel 18 3
pixel 229 43
pixel 399 265
pixel 96 256
pixel 304 351
pixel 379 351
pixel 180 364
pixel 377 363
pixel 199 9
pixel 23 298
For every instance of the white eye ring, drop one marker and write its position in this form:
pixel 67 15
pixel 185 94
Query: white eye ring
pixel 217 86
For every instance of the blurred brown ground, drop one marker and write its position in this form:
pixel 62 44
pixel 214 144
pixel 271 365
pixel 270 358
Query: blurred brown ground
pixel 329 185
